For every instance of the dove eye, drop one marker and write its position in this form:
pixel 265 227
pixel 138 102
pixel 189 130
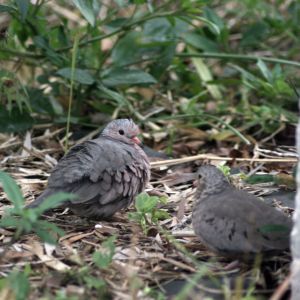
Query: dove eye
pixel 199 176
pixel 121 131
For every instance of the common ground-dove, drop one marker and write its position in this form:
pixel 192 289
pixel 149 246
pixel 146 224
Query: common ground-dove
pixel 105 173
pixel 233 222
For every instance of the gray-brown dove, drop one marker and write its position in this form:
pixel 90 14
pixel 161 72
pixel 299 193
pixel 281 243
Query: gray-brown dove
pixel 233 222
pixel 105 173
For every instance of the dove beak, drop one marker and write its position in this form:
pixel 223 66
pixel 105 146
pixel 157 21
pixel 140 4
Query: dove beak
pixel 136 140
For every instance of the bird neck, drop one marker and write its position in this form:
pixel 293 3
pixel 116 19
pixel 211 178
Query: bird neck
pixel 142 153
pixel 205 189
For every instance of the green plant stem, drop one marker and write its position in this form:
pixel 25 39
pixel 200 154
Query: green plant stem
pixel 122 28
pixel 74 54
pixel 229 56
pixel 232 56
pixel 231 128
pixel 21 53
pixel 207 116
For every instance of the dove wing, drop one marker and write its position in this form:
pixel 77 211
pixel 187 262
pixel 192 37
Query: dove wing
pixel 103 168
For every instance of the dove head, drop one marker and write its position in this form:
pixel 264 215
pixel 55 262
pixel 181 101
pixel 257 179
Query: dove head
pixel 210 179
pixel 123 130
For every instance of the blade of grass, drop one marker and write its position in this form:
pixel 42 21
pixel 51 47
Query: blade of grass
pixel 73 64
pixel 241 57
pixel 205 75
pixel 224 56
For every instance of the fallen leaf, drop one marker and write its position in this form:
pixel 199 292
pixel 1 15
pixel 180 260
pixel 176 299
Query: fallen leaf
pixel 50 261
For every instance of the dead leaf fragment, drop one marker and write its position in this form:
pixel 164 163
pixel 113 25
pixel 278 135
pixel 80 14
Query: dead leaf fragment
pixel 49 260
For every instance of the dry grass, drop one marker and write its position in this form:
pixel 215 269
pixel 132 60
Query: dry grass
pixel 143 265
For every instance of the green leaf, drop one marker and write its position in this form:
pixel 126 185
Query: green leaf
pixel 81 76
pixel 12 190
pixel 145 203
pixel 104 257
pixel 246 75
pixel 45 229
pixel 119 99
pixel 116 23
pixel 15 120
pixel 255 33
pixel 31 215
pixel 278 72
pixel 134 216
pixel 45 225
pixel 225 170
pixel 24 225
pixel 205 75
pixel 212 17
pixel 89 9
pixel 14 91
pixel 20 284
pixel 53 201
pixel 128 49
pixel 282 87
pixel 264 70
pixel 158 38
pixel 40 103
pixel 127 77
pixel 200 42
pixel 214 27
pixel 95 282
pixel 9 221
pixel 45 236
pixel 6 8
pixel 162 30
pixel 23 6
pixel 43 43
pixel 161 215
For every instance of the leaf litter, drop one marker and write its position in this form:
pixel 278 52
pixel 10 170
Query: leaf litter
pixel 168 261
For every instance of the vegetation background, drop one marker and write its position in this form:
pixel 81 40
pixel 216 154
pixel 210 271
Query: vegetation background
pixel 151 60
pixel 221 73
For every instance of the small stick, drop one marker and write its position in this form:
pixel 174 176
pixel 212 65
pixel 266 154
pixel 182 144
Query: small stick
pixel 279 292
pixel 177 161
